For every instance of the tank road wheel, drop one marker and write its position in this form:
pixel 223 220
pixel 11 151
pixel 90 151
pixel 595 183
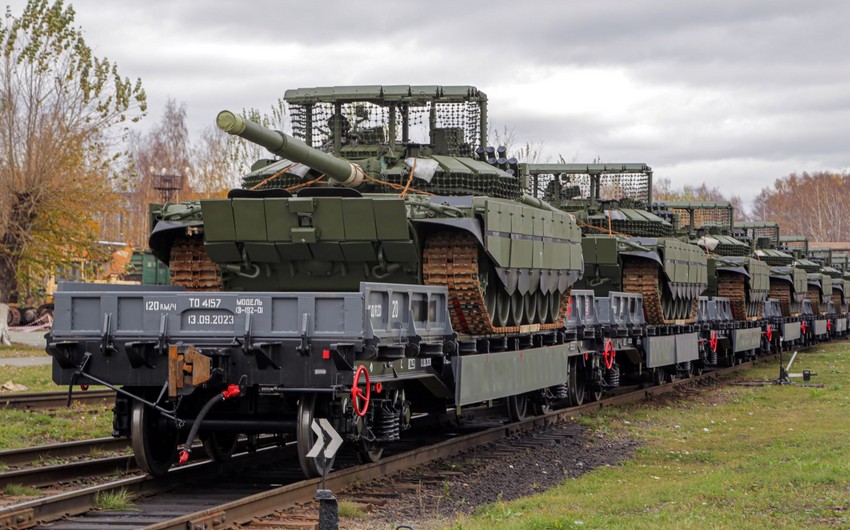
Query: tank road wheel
pixel 154 442
pixel 503 308
pixel 517 407
pixel 529 306
pixel 554 298
pixel 576 381
pixel 220 445
pixel 305 438
pixel 517 315
pixel 543 307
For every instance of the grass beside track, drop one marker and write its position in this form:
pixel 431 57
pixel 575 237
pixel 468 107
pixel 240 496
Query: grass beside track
pixel 22 428
pixel 732 457
pixel 35 378
pixel 21 350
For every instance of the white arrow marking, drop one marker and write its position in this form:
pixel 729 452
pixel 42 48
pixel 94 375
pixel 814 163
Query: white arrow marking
pixel 320 440
pixel 336 439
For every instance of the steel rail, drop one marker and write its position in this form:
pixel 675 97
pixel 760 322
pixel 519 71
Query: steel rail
pixel 26 455
pixel 52 400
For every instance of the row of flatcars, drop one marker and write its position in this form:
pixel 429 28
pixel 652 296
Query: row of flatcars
pixel 383 263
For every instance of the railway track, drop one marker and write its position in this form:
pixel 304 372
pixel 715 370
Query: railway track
pixel 53 400
pixel 223 494
pixel 81 448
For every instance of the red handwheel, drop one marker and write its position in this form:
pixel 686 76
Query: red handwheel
pixel 713 341
pixel 769 333
pixel 608 354
pixel 357 393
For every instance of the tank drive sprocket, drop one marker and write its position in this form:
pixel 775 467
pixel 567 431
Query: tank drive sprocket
pixel 642 276
pixel 452 259
pixel 191 267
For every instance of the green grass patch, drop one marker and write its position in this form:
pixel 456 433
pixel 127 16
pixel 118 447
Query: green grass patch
pixel 35 378
pixel 21 350
pixel 351 510
pixel 732 457
pixel 17 490
pixel 22 428
pixel 119 500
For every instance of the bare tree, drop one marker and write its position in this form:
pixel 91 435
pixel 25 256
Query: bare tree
pixel 816 205
pixel 61 111
pixel 165 150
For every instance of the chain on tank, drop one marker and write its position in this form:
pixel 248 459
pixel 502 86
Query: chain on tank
pixel 451 260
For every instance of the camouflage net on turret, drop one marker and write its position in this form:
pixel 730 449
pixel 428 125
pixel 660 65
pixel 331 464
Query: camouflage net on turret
pixel 367 129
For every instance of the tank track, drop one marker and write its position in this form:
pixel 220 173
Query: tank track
pixel 781 291
pixel 640 276
pixel 451 260
pixel 836 301
pixel 813 296
pixel 734 287
pixel 191 267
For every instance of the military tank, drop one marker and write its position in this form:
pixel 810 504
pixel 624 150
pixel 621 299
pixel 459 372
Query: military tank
pixel 390 184
pixel 733 270
pixel 625 246
pixel 819 292
pixel 788 282
pixel 834 267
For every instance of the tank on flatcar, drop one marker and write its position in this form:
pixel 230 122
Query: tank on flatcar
pixel 626 247
pixel 381 183
pixel 788 282
pixel 733 270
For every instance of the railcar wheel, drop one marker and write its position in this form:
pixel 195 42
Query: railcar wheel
pixel 368 452
pixel 154 442
pixel 305 438
pixel 659 376
pixel 595 394
pixel 220 445
pixel 517 407
pixel 575 383
pixel 543 403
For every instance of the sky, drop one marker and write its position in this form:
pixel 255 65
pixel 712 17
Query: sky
pixel 731 93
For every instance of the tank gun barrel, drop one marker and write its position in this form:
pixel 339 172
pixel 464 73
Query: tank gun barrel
pixel 282 144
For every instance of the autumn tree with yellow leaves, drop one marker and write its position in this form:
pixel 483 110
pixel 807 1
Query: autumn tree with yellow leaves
pixel 62 117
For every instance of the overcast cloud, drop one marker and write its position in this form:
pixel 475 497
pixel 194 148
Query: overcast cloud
pixel 733 93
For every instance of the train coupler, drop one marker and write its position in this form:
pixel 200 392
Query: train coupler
pixel 187 369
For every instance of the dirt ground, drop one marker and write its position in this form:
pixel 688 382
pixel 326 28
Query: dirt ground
pixel 431 496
